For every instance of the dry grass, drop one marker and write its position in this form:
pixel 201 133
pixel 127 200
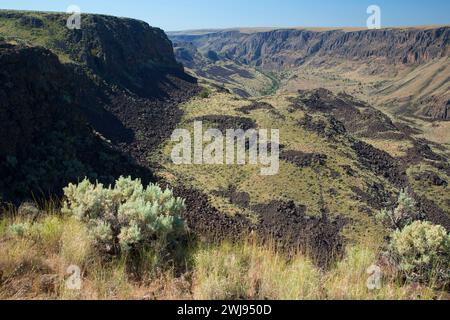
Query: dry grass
pixel 396 148
pixel 348 280
pixel 226 271
pixel 251 272
pixel 76 245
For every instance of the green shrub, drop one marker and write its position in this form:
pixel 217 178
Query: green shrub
pixel 20 230
pixel 3 227
pixel 204 93
pixel 128 216
pixel 404 214
pixel 422 251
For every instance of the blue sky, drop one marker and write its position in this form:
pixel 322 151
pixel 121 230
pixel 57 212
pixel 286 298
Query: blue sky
pixel 174 15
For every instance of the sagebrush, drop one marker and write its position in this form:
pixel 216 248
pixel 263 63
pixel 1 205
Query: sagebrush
pixel 127 216
pixel 404 214
pixel 422 252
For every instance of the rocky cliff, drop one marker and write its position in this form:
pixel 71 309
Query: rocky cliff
pixel 280 49
pixel 82 103
pixel 125 52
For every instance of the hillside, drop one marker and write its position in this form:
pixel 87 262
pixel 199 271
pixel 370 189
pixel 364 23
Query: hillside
pixel 46 140
pixel 329 162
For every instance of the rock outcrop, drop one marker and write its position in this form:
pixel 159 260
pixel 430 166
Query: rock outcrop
pixel 125 52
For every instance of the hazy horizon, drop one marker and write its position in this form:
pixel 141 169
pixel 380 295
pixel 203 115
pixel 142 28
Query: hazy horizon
pixel 180 15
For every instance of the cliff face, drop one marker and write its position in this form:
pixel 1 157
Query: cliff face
pixel 105 43
pixel 95 116
pixel 280 49
pixel 125 52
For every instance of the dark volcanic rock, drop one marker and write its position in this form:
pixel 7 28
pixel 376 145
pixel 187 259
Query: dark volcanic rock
pixel 241 199
pixel 256 106
pixel 424 150
pixel 349 170
pixel 207 222
pixel 30 21
pixel 380 162
pixel 375 196
pixel 433 212
pixel 46 141
pixel 432 178
pixel 302 159
pixel 289 226
pixel 358 118
pixel 329 128
pixel 224 123
pixel 241 93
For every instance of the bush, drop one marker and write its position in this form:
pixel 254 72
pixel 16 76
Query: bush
pixel 20 230
pixel 404 214
pixel 48 232
pixel 126 217
pixel 422 252
pixel 205 93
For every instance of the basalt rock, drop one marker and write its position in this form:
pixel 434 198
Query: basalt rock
pixel 380 163
pixel 283 49
pixel 223 123
pixel 47 141
pixel 302 159
pixel 432 178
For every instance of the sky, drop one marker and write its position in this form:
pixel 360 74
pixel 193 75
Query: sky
pixel 174 15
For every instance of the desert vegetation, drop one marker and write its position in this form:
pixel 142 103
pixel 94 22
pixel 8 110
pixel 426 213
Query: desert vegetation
pixel 92 205
pixel 130 243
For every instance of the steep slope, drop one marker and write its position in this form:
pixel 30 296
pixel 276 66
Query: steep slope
pixel 46 141
pixel 239 78
pixel 125 52
pixel 118 83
